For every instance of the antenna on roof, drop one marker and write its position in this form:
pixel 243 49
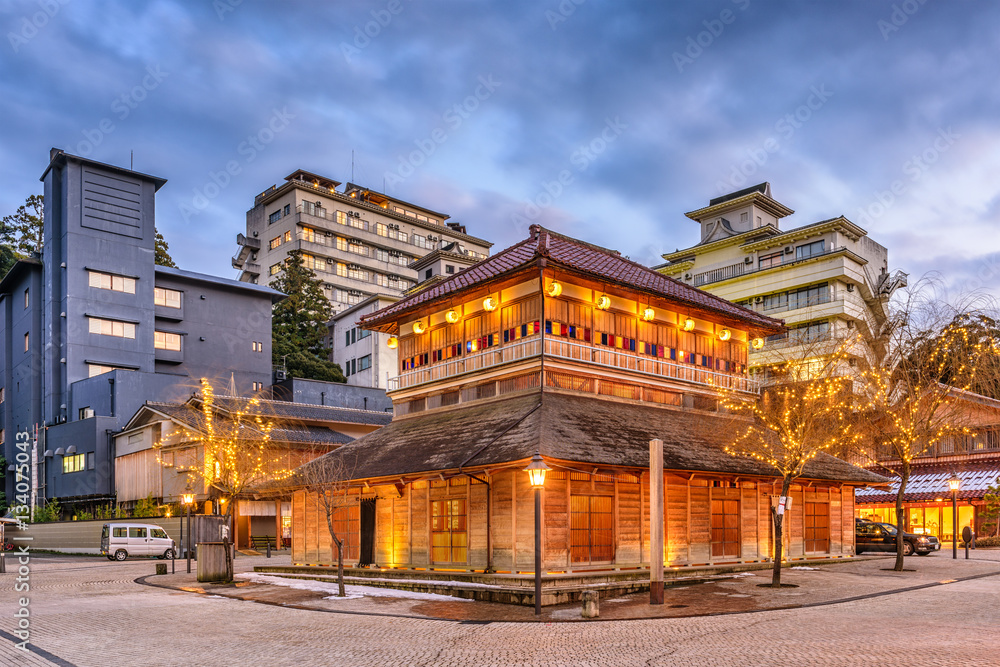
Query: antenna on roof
pixel 131 160
pixel 352 165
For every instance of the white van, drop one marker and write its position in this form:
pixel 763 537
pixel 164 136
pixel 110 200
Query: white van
pixel 121 540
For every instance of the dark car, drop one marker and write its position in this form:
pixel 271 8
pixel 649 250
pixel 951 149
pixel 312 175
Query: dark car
pixel 874 536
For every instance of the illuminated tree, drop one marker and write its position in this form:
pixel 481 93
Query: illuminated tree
pixel 804 409
pixel 903 406
pixel 238 451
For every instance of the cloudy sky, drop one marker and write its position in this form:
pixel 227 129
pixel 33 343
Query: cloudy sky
pixel 604 120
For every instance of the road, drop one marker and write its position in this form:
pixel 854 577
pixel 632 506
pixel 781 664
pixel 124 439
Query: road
pixel 88 611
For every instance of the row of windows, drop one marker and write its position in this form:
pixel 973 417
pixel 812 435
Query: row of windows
pixel 78 462
pixel 804 333
pixel 114 328
pixel 163 340
pixel 108 281
pixel 804 251
pixel 355 334
pixel 277 215
pixel 357 365
pixel 352 271
pixel 793 299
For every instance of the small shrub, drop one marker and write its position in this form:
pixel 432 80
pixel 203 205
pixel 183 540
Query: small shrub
pixel 145 508
pixel 992 541
pixel 84 515
pixel 46 513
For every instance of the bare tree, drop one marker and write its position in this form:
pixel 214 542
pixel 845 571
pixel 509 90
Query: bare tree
pixel 904 405
pixel 329 478
pixel 803 410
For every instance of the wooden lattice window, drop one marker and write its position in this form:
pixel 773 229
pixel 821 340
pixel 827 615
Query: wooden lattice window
pixel 449 536
pixel 592 529
pixel 817 527
pixel 346 524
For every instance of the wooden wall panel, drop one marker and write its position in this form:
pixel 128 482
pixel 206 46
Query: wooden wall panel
pixel 836 523
pixel 312 555
pixel 765 524
pixel 555 541
pixel 419 525
pixel 401 528
pixel 701 522
pixel 748 522
pixel 629 548
pixel 645 530
pixel 675 507
pixel 477 525
pixel 503 523
pixel 524 528
pixel 793 519
pixel 847 514
pixel 383 525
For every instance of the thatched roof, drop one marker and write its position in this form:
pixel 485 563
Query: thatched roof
pixel 563 427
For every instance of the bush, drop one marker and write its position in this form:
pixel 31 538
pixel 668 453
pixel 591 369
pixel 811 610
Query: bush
pixel 146 507
pixel 50 511
pixel 992 541
pixel 83 515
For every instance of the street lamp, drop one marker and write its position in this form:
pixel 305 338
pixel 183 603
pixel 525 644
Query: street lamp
pixel 536 475
pixel 953 484
pixel 188 499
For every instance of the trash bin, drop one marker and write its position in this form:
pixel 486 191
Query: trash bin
pixel 211 561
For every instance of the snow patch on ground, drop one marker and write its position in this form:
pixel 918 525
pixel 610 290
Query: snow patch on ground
pixel 804 567
pixel 743 574
pixel 353 592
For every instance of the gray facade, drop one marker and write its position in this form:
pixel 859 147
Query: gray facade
pixel 316 392
pixel 108 329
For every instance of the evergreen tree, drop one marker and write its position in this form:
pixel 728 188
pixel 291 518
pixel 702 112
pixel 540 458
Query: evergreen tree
pixel 162 256
pixel 298 324
pixel 21 233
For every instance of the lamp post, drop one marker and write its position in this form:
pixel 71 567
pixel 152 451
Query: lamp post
pixel 953 484
pixel 536 475
pixel 188 499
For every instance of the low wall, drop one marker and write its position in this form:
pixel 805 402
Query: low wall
pixel 84 537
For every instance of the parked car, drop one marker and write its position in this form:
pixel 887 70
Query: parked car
pixel 877 536
pixel 121 540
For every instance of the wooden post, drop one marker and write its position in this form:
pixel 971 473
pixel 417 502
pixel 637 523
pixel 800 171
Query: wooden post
pixel 655 522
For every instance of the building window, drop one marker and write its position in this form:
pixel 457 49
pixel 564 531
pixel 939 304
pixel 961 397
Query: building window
pixel 592 528
pixel 363 333
pixel 725 528
pixel 74 463
pixel 274 217
pixel 808 250
pixel 347 338
pixel 258 386
pixel 288 209
pixel 274 268
pixel 2 398
pixel 257 346
pixel 168 298
pixel 90 460
pixel 275 242
pixel 449 540
pixel 817 527
pixel 365 362
pixel 100 369
pixel 26 342
pixel 767 261
pixel 354 366
pixel 84 413
pixel 26 300
pixel 428 273
pixel 288 236
pixel 2 437
pixel 354 335
pixel 109 281
pixel 166 341
pixel 112 328
pixel 448 268
pixel 744 217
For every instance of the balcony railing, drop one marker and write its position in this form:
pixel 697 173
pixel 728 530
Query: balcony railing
pixel 742 269
pixel 563 349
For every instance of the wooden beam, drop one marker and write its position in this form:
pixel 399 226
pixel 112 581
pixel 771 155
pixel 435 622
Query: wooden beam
pixel 656 522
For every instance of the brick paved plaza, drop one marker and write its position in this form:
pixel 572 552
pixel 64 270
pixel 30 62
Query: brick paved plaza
pixel 88 611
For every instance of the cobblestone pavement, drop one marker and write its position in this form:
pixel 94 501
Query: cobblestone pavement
pixel 88 611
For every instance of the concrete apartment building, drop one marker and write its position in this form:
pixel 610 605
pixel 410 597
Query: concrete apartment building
pixel 361 243
pixel 92 328
pixel 823 279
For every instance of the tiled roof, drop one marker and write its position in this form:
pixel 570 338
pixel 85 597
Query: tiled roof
pixel 601 263
pixel 565 427
pixel 310 412
pixel 934 485
pixel 192 418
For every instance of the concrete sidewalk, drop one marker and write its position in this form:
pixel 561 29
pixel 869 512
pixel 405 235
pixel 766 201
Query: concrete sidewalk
pixel 814 585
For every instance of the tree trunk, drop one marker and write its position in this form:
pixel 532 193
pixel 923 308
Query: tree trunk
pixel 904 477
pixel 778 541
pixel 341 592
pixel 226 543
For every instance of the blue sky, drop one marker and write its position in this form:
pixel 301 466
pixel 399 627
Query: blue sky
pixel 604 120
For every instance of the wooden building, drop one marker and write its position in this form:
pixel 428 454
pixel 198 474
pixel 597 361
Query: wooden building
pixel 562 348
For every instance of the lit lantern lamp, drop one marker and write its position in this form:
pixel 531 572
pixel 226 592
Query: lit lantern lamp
pixel 419 327
pixel 603 302
pixel 648 314
pixel 757 343
pixel 392 343
pixel 536 471
pixel 725 334
pixel 688 324
pixel 954 483
pixel 554 290
pixel 187 498
pixel 452 316
pixel 490 304
pixel 536 475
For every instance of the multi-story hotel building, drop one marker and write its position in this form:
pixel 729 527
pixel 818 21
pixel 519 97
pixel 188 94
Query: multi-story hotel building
pixel 823 279
pixel 358 241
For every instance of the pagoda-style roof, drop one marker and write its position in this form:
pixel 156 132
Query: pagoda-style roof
pixel 607 266
pixel 599 433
